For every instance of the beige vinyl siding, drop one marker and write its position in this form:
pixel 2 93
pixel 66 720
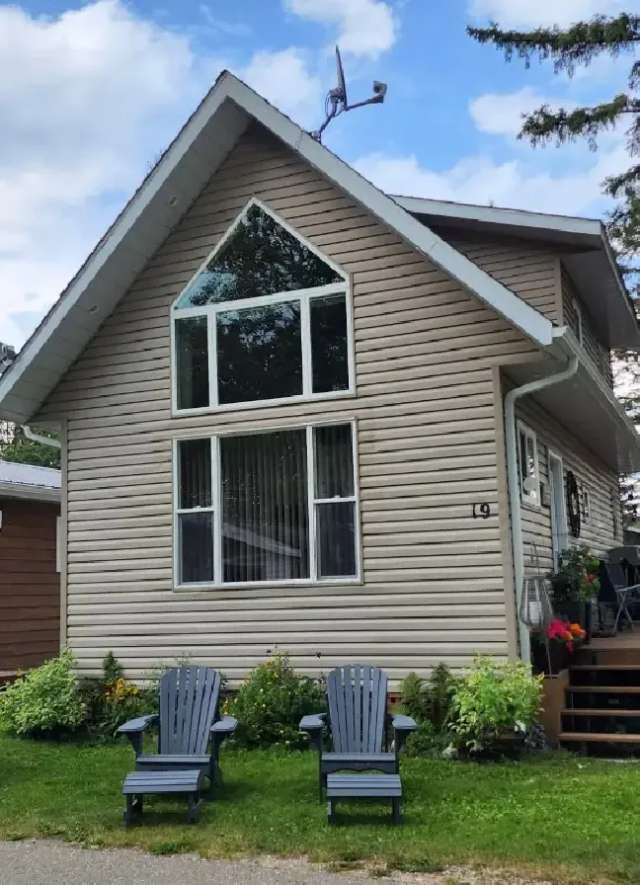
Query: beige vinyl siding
pixel 602 530
pixel 597 352
pixel 425 352
pixel 528 269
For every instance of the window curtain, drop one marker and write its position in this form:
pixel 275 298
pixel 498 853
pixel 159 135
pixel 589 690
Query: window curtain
pixel 264 505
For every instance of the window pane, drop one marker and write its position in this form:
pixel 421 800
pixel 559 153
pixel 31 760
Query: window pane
pixel 264 507
pixel 259 353
pixel 259 258
pixel 192 363
pixel 195 473
pixel 336 539
pixel 334 461
pixel 196 547
pixel 329 343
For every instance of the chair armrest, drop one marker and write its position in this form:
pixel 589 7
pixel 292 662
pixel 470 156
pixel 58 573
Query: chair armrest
pixel 134 730
pixel 403 723
pixel 224 726
pixel 314 722
pixel 136 726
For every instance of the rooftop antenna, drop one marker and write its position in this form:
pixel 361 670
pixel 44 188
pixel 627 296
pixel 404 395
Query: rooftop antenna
pixel 337 102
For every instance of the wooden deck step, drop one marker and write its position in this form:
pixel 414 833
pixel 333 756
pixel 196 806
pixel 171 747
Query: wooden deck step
pixel 605 711
pixel 591 737
pixel 604 689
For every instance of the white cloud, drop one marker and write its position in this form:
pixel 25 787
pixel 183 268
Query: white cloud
pixel 501 113
pixel 514 183
pixel 285 78
pixel 533 13
pixel 87 99
pixel 365 27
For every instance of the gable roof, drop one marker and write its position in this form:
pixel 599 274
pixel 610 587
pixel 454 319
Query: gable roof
pixel 586 254
pixel 162 199
pixel 29 481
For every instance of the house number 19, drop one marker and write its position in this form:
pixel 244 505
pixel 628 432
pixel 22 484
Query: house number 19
pixel 481 511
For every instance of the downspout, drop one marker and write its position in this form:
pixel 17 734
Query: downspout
pixel 39 438
pixel 514 485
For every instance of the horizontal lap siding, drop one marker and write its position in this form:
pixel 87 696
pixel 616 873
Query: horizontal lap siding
pixel 600 530
pixel 29 584
pixel 425 350
pixel 528 269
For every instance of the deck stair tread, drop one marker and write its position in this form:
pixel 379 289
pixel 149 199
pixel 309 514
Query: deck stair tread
pixel 633 668
pixel 599 737
pixel 603 711
pixel 604 689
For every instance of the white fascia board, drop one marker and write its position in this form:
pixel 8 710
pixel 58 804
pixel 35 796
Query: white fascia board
pixel 23 492
pixel 568 345
pixel 504 301
pixel 568 224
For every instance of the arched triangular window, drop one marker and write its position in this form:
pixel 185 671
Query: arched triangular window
pixel 265 318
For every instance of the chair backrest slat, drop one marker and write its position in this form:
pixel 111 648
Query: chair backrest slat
pixel 357 697
pixel 617 574
pixel 188 706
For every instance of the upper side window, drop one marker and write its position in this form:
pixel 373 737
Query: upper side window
pixel 578 312
pixel 265 318
pixel 528 464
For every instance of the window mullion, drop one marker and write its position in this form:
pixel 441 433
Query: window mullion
pixel 212 341
pixel 216 493
pixel 305 330
pixel 311 490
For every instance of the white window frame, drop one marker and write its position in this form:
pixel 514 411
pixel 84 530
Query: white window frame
pixel 312 502
pixel 304 296
pixel 530 498
pixel 579 327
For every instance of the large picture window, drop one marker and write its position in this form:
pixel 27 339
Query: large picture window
pixel 267 507
pixel 265 319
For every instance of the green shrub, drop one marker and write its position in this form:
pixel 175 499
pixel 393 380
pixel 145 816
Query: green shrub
pixel 44 701
pixel 270 704
pixel 430 700
pixel 493 704
pixel 112 700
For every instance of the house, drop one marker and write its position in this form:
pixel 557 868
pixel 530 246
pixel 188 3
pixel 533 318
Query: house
pixel 299 414
pixel 29 569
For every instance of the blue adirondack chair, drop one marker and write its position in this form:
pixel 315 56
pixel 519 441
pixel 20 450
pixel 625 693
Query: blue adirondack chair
pixel 189 731
pixel 358 720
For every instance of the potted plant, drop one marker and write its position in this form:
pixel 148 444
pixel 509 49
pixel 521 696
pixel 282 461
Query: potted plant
pixel 562 636
pixel 575 584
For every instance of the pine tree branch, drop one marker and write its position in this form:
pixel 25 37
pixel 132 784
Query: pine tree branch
pixel 544 124
pixel 577 45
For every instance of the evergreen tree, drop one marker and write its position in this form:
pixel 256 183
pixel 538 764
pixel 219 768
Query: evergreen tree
pixel 14 446
pixel 568 49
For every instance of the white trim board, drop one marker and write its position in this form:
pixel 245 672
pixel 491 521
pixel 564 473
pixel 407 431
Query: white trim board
pixel 164 197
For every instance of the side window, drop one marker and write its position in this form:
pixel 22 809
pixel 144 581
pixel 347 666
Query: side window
pixel 528 464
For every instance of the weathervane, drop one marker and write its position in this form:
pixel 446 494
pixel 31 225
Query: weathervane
pixel 336 101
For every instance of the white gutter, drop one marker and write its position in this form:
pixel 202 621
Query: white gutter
pixel 39 438
pixel 514 485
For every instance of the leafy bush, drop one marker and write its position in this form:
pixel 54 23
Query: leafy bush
pixel 112 700
pixel 44 701
pixel 270 704
pixel 430 700
pixel 494 703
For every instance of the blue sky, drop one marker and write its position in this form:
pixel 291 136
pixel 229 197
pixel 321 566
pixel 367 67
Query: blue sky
pixel 90 93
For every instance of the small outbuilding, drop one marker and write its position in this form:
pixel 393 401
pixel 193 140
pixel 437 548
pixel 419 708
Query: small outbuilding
pixel 29 571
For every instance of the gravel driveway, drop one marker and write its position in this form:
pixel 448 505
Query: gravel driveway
pixel 31 862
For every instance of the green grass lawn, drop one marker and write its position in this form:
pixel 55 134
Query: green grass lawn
pixel 557 814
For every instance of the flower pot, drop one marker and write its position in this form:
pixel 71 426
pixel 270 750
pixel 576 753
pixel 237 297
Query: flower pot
pixel 557 660
pixel 578 612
